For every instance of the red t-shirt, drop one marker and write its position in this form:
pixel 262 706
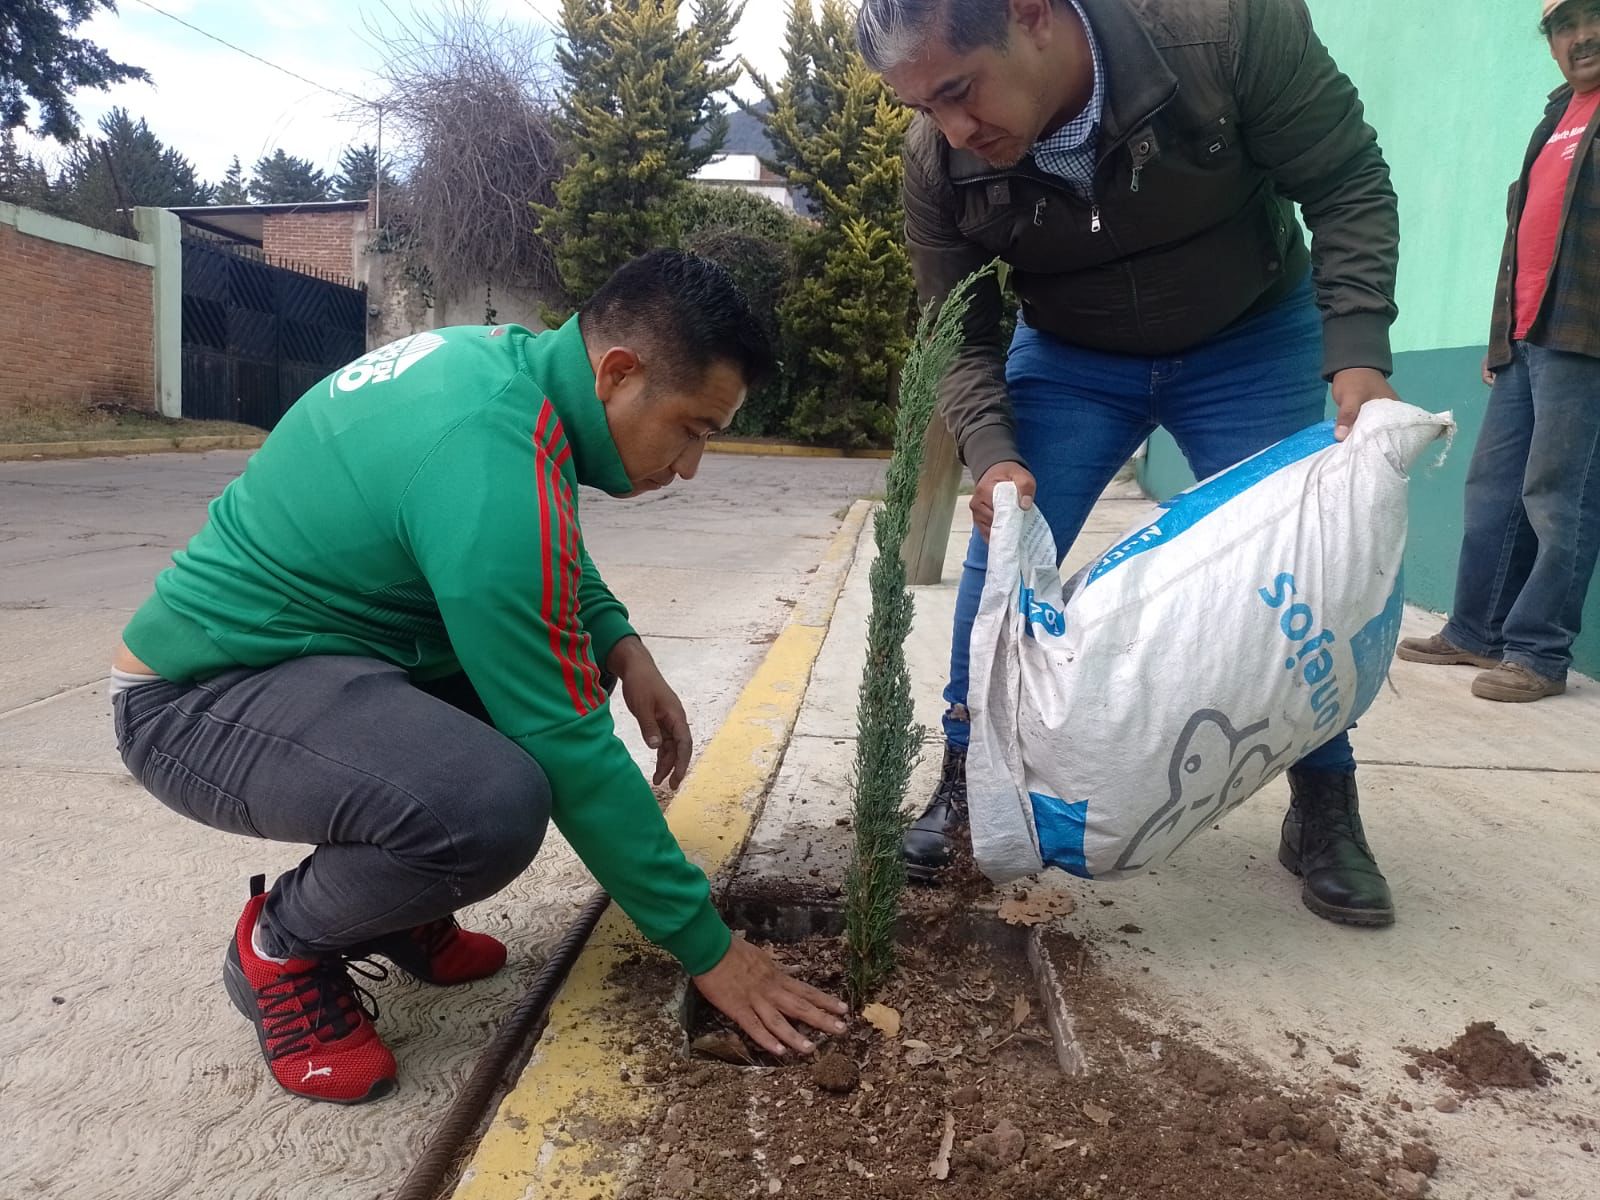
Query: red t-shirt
pixel 1541 212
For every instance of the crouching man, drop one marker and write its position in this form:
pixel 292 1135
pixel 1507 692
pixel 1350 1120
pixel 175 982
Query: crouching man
pixel 388 641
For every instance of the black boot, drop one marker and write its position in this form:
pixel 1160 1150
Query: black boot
pixel 1323 843
pixel 929 844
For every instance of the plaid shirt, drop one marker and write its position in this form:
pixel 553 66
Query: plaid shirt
pixel 1569 315
pixel 1069 152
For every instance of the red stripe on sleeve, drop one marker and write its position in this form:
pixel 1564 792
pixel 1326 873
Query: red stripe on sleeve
pixel 555 598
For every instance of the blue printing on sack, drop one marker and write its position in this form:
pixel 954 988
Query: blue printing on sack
pixel 1373 649
pixel 1187 509
pixel 1060 826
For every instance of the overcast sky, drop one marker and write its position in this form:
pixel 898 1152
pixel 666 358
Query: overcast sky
pixel 211 103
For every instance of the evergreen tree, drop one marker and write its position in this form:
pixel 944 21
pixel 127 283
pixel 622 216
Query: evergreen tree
pixel 887 737
pixel 233 189
pixel 42 63
pixel 23 178
pixel 282 178
pixel 801 112
pixel 358 173
pixel 847 321
pixel 638 89
pixel 125 167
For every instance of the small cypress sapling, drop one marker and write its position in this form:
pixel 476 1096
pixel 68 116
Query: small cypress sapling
pixel 887 738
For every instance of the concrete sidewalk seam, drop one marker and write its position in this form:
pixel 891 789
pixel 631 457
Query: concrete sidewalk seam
pixel 75 690
pixel 540 1141
pixel 1422 766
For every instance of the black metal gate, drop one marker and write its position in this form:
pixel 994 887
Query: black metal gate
pixel 255 335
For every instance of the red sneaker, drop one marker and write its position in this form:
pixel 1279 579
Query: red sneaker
pixel 318 1038
pixel 440 952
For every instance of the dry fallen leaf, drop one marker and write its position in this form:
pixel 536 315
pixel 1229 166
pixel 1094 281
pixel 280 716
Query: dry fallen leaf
pixel 728 1047
pixel 882 1018
pixel 1100 1116
pixel 1021 1010
pixel 1036 907
pixel 918 1054
pixel 939 1168
pixel 1056 1145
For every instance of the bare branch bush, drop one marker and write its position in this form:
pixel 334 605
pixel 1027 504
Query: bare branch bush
pixel 468 98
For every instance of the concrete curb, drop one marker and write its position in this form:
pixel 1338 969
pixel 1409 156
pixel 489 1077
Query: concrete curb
pixel 540 1142
pixel 788 450
pixel 22 451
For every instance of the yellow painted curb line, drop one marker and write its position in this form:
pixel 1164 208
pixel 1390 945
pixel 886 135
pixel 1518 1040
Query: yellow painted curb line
pixel 788 450
pixel 16 451
pixel 542 1143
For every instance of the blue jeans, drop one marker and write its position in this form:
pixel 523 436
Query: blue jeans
pixel 1532 513
pixel 1080 415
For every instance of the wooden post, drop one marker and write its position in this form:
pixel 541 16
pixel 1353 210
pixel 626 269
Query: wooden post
pixel 929 535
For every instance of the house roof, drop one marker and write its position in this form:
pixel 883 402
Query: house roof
pixel 244 221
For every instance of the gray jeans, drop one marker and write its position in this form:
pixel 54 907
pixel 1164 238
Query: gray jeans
pixel 415 803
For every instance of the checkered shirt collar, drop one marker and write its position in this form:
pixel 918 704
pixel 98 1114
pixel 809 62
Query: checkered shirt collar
pixel 1075 139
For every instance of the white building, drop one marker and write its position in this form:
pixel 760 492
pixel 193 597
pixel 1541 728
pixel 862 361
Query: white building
pixel 745 172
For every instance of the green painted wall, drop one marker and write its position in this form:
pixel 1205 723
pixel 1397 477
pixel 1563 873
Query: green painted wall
pixel 1454 89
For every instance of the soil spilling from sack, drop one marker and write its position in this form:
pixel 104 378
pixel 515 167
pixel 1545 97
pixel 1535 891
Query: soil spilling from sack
pixel 1485 1057
pixel 950 1087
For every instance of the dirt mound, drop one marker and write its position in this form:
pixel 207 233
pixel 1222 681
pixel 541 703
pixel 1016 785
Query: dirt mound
pixel 1485 1057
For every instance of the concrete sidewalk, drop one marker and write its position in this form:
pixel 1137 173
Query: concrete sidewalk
pixel 1484 817
pixel 124 1071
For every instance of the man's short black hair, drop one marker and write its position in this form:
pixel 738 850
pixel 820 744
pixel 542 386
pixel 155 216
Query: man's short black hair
pixel 684 312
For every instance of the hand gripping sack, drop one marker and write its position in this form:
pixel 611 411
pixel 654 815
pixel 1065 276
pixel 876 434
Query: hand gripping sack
pixel 1242 625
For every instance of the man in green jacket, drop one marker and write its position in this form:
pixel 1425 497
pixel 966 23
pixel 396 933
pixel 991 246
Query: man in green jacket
pixel 1137 163
pixel 388 641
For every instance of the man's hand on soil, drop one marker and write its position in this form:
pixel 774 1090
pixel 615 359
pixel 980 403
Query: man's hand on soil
pixel 983 494
pixel 1352 388
pixel 749 988
pixel 653 703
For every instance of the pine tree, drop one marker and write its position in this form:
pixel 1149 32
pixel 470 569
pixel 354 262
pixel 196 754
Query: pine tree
pixel 125 167
pixel 638 90
pixel 284 179
pixel 791 105
pixel 886 736
pixel 821 61
pixel 358 173
pixel 233 189
pixel 23 178
pixel 42 63
pixel 846 324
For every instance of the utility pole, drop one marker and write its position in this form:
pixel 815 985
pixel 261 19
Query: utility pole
pixel 377 178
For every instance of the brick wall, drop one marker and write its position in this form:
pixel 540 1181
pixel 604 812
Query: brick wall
pixel 77 327
pixel 324 241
